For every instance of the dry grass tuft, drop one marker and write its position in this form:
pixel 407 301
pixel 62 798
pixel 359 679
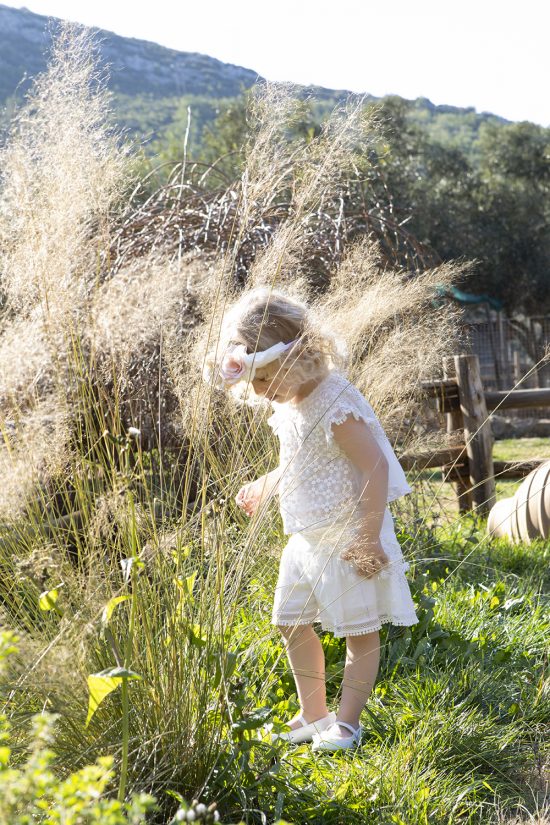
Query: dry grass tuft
pixel 395 336
pixel 63 170
pixel 320 170
pixel 34 447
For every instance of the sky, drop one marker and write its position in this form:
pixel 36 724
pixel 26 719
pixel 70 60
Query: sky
pixel 489 54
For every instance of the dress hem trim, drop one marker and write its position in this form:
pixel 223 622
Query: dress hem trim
pixel 340 632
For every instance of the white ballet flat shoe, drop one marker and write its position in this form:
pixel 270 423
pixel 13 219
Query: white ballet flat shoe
pixel 307 730
pixel 331 740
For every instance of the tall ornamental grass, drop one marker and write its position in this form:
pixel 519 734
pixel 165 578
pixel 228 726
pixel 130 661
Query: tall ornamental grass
pixel 140 593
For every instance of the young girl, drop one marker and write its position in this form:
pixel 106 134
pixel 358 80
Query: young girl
pixel 342 566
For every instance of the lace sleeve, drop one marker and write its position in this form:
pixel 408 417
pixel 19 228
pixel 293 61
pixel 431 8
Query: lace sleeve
pixel 345 406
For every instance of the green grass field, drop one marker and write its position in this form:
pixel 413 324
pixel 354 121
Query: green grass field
pixel 456 729
pixel 457 722
pixel 508 449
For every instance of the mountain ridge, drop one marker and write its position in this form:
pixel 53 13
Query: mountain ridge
pixel 150 82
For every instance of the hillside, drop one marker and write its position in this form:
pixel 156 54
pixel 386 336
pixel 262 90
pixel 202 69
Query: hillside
pixel 151 84
pixel 137 67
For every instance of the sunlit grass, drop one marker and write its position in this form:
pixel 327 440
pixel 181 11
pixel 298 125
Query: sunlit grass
pixel 518 449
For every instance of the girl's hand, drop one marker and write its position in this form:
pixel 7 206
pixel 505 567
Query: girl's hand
pixel 367 556
pixel 250 495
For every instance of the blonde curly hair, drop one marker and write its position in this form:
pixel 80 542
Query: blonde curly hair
pixel 262 317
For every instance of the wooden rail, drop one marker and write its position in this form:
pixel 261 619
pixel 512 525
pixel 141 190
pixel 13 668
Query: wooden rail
pixel 446 391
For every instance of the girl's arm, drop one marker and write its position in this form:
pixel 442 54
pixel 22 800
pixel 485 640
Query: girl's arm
pixel 268 481
pixel 252 495
pixel 358 442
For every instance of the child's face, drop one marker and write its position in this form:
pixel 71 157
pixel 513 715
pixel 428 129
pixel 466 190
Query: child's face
pixel 275 383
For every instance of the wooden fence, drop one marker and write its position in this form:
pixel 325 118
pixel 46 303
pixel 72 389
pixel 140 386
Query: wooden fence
pixel 469 465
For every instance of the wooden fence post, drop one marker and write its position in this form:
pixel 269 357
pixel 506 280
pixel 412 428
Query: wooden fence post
pixel 458 475
pixel 477 432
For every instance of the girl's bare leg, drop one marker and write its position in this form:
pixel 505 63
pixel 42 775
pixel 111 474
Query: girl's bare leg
pixel 360 672
pixel 307 662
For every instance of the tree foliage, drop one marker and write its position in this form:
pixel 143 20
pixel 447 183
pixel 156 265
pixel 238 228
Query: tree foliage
pixel 487 200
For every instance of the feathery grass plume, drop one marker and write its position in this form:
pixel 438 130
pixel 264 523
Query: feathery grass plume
pixel 28 370
pixel 272 108
pixel 395 335
pixel 62 172
pixel 346 137
pixel 34 445
pixel 139 322
pixel 320 171
pixel 149 297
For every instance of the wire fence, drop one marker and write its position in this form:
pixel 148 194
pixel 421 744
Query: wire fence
pixel 508 349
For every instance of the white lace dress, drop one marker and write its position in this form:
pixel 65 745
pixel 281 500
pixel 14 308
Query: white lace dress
pixel 318 491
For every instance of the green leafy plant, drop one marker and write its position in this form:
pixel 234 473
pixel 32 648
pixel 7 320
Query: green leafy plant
pixel 31 791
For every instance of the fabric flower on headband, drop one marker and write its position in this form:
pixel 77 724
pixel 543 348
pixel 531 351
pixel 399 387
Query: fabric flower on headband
pixel 238 364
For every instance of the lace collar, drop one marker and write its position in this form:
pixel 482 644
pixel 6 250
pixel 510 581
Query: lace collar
pixel 300 406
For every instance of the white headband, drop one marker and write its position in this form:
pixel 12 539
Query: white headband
pixel 238 364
